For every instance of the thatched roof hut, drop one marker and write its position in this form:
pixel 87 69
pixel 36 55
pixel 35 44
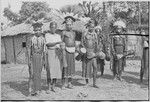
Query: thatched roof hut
pixel 13 43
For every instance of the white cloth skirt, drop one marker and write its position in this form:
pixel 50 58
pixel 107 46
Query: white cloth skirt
pixel 54 64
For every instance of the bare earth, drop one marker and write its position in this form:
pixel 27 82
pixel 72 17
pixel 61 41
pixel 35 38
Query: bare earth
pixel 14 85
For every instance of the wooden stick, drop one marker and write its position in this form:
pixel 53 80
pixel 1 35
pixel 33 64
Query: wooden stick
pixel 14 49
pixel 5 49
pixel 128 34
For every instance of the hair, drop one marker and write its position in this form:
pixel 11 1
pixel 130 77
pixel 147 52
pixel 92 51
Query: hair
pixel 53 23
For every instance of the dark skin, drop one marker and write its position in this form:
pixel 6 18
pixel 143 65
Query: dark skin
pixel 38 31
pixel 69 26
pixel 53 27
pixel 91 26
pixel 68 37
pixel 53 30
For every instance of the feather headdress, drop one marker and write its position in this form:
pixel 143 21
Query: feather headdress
pixel 120 23
pixel 69 17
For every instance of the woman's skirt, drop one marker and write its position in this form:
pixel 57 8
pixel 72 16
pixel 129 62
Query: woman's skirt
pixel 54 64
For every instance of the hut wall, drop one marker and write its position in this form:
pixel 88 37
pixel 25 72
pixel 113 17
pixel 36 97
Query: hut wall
pixel 9 49
pixel 134 43
pixel 2 50
pixel 139 46
pixel 19 50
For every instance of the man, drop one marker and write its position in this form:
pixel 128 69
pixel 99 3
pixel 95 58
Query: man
pixel 68 37
pixel 37 50
pixel 145 57
pixel 100 37
pixel 118 50
pixel 89 42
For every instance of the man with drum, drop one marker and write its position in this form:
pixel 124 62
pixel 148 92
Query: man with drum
pixel 118 43
pixel 90 43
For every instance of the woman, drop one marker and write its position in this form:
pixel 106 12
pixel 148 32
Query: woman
pixel 53 42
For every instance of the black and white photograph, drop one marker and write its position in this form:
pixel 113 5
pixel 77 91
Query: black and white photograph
pixel 71 50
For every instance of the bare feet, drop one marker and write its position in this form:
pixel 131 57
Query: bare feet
pixel 95 86
pixel 48 91
pixel 70 86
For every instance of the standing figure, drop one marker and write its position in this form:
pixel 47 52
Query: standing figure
pixel 100 61
pixel 145 58
pixel 89 42
pixel 118 51
pixel 68 37
pixel 37 50
pixel 53 42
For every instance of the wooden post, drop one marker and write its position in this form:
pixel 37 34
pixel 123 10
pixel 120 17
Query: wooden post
pixel 139 14
pixel 27 53
pixel 149 34
pixel 14 49
pixel 5 50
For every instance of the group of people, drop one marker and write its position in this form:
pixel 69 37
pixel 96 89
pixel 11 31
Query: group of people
pixel 56 53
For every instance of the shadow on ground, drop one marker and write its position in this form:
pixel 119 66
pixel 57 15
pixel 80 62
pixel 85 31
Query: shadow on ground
pixel 106 76
pixel 23 86
pixel 134 73
pixel 77 83
pixel 136 79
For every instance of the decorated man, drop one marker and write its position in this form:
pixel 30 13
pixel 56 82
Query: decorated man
pixel 89 42
pixel 68 37
pixel 37 49
pixel 118 50
pixel 101 46
pixel 145 56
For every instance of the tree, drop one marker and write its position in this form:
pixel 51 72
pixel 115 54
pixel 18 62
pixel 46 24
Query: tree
pixel 75 9
pixel 29 11
pixel 11 15
pixel 90 9
pixel 129 11
pixel 32 9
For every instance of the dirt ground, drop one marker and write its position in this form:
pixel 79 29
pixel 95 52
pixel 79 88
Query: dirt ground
pixel 14 85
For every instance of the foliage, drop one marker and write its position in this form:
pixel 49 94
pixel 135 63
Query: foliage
pixel 76 9
pixel 34 9
pixel 129 10
pixel 29 11
pixel 92 10
pixel 11 15
pixel 103 14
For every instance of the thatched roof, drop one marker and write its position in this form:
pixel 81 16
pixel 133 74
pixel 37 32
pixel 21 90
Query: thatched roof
pixel 78 26
pixel 27 28
pixel 18 29
pixel 54 15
